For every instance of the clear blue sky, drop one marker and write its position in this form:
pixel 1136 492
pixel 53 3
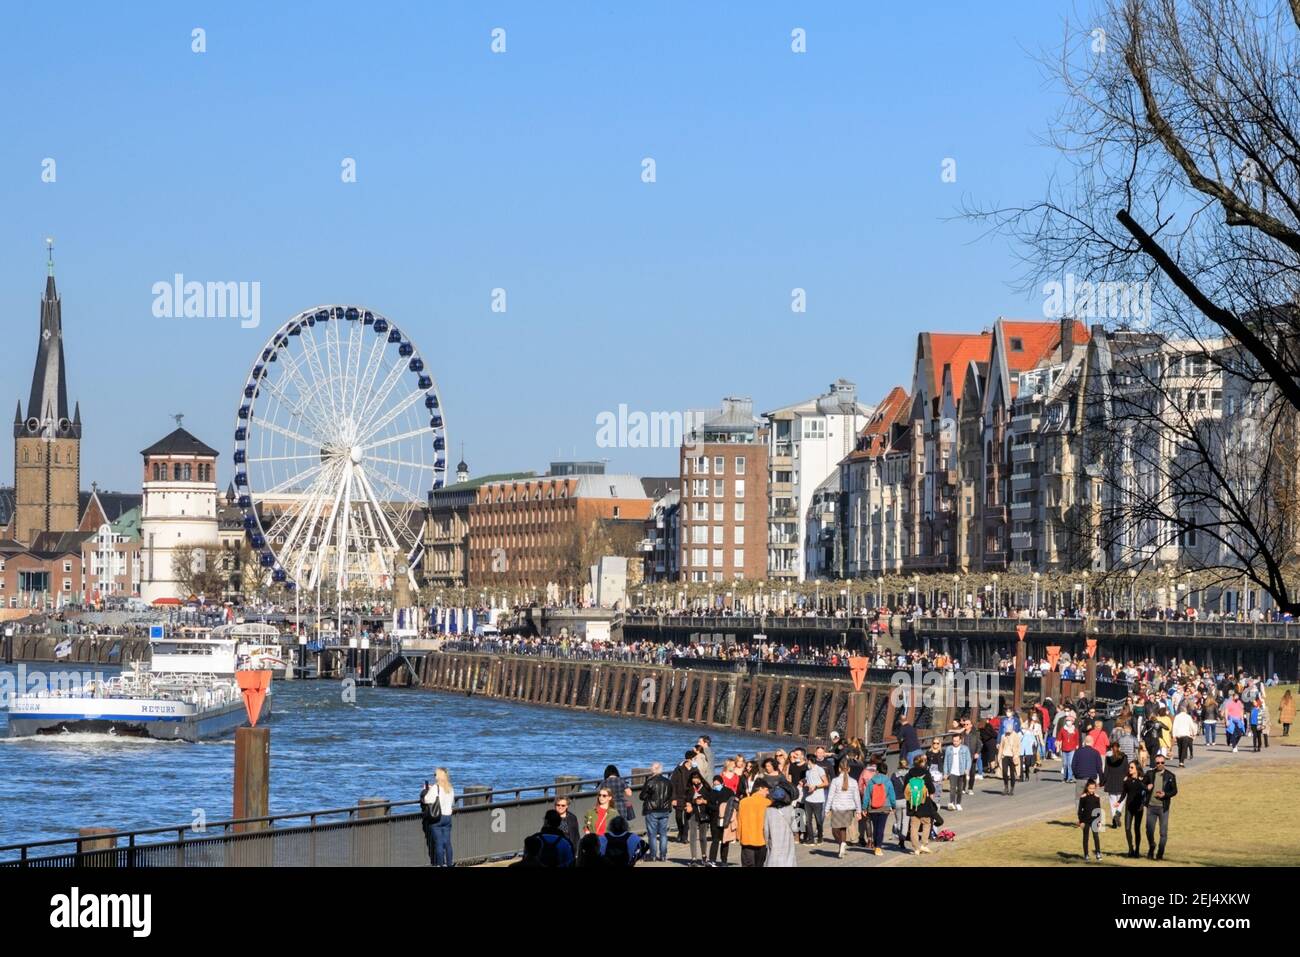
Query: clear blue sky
pixel 522 171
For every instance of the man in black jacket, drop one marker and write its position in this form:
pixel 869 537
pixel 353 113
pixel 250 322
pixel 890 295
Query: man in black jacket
pixel 656 804
pixel 1161 786
pixel 568 821
pixel 681 782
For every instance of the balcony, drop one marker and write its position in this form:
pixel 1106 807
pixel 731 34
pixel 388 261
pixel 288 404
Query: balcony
pixel 1020 541
pixel 782 511
pixel 1021 481
pixel 1021 511
pixel 1023 452
pixel 1025 422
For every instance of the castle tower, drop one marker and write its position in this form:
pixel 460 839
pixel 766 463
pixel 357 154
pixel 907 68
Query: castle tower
pixel 47 441
pixel 178 520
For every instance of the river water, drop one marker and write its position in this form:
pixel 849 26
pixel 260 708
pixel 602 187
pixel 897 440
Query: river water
pixel 325 752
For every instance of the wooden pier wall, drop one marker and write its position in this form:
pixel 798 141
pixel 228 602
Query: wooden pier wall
pixel 799 709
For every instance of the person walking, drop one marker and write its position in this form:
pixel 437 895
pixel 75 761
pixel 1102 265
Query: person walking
pixel 1286 713
pixel 816 780
pixel 1235 714
pixel 1114 770
pixel 1265 722
pixel 843 805
pixel 751 820
pixel 436 805
pixel 957 765
pixel 722 820
pixel 1087 767
pixel 1009 758
pixel 1256 733
pixel 1031 746
pixel 899 782
pixel 1161 787
pixel 1210 719
pixel 1090 818
pixel 921 809
pixel 1135 794
pixel 656 804
pixel 1184 729
pixel 877 801
pixel 1067 741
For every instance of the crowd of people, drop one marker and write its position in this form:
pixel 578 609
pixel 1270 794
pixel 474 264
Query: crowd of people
pixel 755 812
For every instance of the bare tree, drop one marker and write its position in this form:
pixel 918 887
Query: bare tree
pixel 198 570
pixel 1180 172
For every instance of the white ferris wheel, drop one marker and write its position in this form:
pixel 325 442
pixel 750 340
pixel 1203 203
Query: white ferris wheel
pixel 339 438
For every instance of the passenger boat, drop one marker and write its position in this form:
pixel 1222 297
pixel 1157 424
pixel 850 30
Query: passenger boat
pixel 186 692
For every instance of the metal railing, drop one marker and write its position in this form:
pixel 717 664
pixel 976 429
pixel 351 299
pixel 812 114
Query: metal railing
pixel 1110 627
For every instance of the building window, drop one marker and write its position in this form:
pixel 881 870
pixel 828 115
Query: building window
pixel 67 566
pixel 719 465
pixel 738 558
pixel 717 488
pixel 740 488
pixel 1017 344
pixel 717 534
pixel 740 465
pixel 67 584
pixel 814 428
pixel 739 511
pixel 738 535
pixel 717 512
pixel 717 558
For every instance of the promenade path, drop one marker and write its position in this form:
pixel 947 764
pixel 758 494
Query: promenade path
pixel 1044 796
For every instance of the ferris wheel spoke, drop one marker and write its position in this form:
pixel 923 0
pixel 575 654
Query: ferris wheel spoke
pixel 298 408
pixel 281 458
pixel 288 483
pixel 401 464
pixel 374 364
pixel 383 535
pixel 380 400
pixel 377 504
pixel 403 499
pixel 325 383
pixel 391 415
pixel 327 535
pixel 311 441
pixel 389 440
pixel 309 394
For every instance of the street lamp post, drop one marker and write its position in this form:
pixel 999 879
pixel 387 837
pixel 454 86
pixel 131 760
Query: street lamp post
pixel 1036 577
pixel 956 580
pixel 997 606
pixel 1132 593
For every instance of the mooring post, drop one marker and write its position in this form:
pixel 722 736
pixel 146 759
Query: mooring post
pixel 252 776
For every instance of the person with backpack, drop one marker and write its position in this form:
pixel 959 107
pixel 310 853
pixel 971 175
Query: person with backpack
pixel 877 803
pixel 620 846
pixel 956 765
pixel 554 849
pixel 656 804
pixel 436 802
pixel 921 809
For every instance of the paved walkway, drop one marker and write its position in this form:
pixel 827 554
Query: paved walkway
pixel 1045 795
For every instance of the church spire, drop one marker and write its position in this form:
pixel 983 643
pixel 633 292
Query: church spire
pixel 47 404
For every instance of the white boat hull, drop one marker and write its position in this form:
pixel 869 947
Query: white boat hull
pixel 128 717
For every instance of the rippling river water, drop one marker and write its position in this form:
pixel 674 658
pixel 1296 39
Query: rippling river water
pixel 324 753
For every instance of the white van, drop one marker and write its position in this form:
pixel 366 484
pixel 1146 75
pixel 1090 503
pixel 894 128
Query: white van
pixel 487 631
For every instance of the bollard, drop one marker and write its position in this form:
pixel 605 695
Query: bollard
pixel 475 794
pixel 252 776
pixel 566 784
pixel 372 807
pixel 90 840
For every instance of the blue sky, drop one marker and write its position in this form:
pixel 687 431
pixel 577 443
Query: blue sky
pixel 522 171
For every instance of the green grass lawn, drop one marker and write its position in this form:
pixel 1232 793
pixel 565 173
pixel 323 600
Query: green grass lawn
pixel 1241 814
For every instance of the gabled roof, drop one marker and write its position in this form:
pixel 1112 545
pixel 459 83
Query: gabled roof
pixel 180 442
pixel 1038 341
pixel 874 438
pixel 52 544
pixel 99 506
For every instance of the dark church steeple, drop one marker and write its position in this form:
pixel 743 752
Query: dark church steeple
pixel 47 405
